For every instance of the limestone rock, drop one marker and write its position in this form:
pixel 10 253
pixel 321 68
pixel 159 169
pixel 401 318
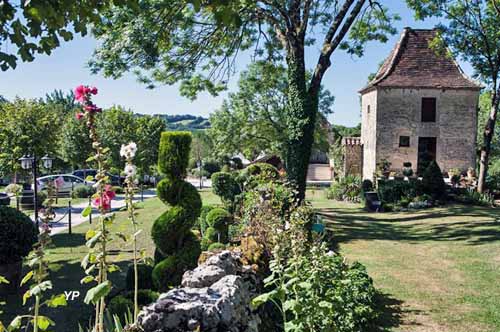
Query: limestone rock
pixel 214 297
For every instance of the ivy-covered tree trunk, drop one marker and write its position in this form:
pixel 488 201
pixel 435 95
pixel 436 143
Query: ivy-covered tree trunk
pixel 488 137
pixel 300 120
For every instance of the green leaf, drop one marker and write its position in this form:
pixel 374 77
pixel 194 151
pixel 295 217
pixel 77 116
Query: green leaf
pixel 27 277
pixel 263 298
pixel 87 279
pixel 98 292
pixel 113 268
pixel 92 242
pixel 57 301
pixel 89 234
pixel 41 287
pixel 87 211
pixel 44 323
pixel 15 324
pixel 3 280
pixel 89 178
pixel 26 296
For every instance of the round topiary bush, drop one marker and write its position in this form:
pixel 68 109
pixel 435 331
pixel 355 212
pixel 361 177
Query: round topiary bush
pixel 264 170
pixel 225 186
pixel 18 234
pixel 202 220
pixel 219 219
pixel 145 278
pixel 177 247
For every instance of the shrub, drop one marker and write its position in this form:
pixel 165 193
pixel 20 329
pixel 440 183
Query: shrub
pixel 202 220
pixel 120 306
pixel 173 155
pixel 118 190
pixel 392 191
pixel 433 182
pixel 367 185
pixel 177 248
pixel 347 189
pixel 83 192
pixel 210 167
pixel 18 234
pixel 216 246
pixel 144 296
pixel 144 277
pixel 219 219
pixel 41 198
pixel 225 186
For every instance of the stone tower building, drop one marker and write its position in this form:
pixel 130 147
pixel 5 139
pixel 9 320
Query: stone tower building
pixel 419 107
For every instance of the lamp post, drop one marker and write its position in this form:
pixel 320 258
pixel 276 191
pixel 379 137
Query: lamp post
pixel 28 162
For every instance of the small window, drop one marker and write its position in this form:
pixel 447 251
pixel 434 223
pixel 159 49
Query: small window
pixel 428 109
pixel 404 141
pixel 368 109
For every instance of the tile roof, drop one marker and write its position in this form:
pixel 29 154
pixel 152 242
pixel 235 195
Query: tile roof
pixel 413 64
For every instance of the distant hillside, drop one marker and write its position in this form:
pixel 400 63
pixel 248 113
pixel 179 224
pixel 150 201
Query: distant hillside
pixel 185 122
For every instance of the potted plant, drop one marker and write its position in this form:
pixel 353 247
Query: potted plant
pixel 17 236
pixel 407 170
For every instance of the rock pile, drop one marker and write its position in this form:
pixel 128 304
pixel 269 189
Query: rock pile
pixel 214 297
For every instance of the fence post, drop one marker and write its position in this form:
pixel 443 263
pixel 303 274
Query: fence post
pixel 142 193
pixel 69 217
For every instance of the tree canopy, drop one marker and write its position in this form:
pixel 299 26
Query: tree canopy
pixel 253 119
pixel 197 43
pixel 37 27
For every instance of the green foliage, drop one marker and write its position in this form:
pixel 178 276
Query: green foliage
pixel 173 157
pixel 393 191
pixel 253 120
pixel 224 185
pixel 177 248
pixel 216 246
pixel 433 182
pixel 202 220
pixel 83 192
pixel 144 277
pixel 17 235
pixel 176 192
pixel 26 127
pixel 118 190
pixel 39 26
pixel 347 188
pixel 120 306
pixel 472 197
pixel 367 185
pixel 147 137
pixel 168 273
pixel 219 219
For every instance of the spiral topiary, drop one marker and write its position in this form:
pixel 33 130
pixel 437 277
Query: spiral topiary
pixel 177 248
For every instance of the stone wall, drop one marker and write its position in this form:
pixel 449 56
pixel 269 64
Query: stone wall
pixel 353 156
pixel 369 111
pixel 399 114
pixel 214 297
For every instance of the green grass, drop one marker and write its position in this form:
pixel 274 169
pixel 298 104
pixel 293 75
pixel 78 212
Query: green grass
pixel 439 269
pixel 66 271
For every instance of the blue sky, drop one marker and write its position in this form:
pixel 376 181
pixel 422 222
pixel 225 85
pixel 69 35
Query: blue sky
pixel 65 69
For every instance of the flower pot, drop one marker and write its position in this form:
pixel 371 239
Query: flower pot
pixel 11 272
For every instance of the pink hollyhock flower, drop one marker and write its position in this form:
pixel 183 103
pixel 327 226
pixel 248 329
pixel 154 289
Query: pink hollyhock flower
pixel 107 196
pixel 80 93
pixel 79 116
pixel 93 90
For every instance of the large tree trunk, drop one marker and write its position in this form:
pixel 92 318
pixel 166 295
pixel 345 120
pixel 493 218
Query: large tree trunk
pixel 489 131
pixel 300 121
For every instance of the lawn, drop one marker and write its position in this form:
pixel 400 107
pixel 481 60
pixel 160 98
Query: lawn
pixel 438 269
pixel 68 251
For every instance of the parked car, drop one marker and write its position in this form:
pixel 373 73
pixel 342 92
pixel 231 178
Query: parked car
pixel 65 182
pixel 84 173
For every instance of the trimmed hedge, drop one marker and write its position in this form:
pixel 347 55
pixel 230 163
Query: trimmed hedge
pixel 18 234
pixel 83 192
pixel 173 156
pixel 202 220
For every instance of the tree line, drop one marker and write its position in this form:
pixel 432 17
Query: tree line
pixel 48 126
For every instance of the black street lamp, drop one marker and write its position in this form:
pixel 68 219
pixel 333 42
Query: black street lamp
pixel 28 162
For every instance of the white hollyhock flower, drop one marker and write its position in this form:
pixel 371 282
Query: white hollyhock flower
pixel 130 171
pixel 129 150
